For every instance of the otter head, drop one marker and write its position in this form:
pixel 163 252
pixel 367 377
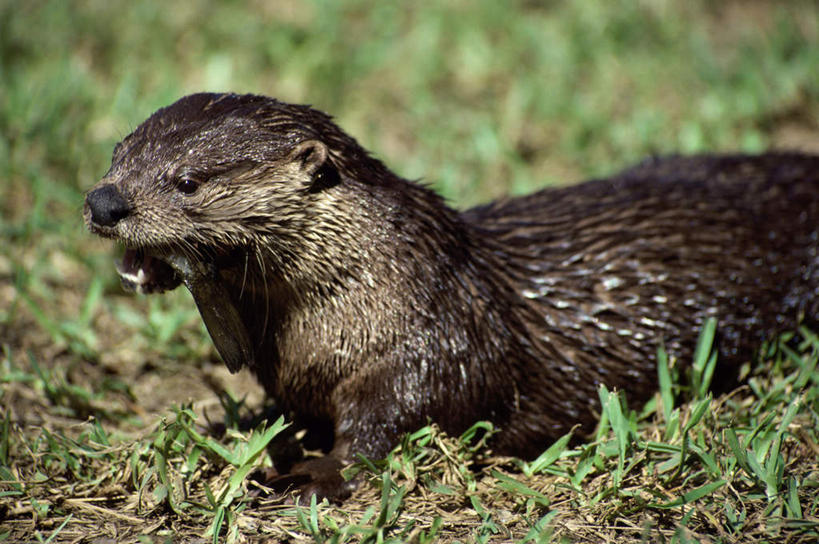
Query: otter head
pixel 210 175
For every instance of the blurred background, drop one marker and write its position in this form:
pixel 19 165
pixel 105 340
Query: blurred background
pixel 478 98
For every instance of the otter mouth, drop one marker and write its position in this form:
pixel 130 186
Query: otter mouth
pixel 141 271
pixel 146 271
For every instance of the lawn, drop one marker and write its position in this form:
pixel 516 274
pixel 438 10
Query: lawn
pixel 118 422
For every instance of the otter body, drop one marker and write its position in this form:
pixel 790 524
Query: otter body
pixel 366 306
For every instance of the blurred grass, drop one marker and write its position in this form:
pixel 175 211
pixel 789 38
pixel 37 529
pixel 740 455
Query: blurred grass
pixel 476 98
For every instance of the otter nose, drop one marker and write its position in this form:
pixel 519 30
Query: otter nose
pixel 107 206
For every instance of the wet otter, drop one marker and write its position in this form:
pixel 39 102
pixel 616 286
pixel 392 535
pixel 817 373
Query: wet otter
pixel 365 305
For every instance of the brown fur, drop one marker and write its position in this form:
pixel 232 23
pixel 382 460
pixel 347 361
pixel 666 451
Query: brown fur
pixel 371 307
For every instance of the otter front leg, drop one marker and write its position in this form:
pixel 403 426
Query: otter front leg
pixel 373 410
pixel 370 419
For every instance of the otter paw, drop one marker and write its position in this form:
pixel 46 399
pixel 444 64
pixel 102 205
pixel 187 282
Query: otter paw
pixel 320 477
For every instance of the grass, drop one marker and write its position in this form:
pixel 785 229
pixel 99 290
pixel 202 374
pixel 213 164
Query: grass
pixel 739 467
pixel 111 425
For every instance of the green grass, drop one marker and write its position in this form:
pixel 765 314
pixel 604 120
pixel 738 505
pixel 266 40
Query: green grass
pixel 478 99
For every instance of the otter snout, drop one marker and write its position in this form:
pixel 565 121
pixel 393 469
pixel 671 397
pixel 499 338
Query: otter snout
pixel 107 206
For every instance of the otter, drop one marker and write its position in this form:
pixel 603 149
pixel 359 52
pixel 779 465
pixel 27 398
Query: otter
pixel 367 307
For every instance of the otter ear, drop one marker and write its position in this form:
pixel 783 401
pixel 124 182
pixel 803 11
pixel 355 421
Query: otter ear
pixel 314 158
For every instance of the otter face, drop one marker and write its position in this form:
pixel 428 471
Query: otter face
pixel 205 177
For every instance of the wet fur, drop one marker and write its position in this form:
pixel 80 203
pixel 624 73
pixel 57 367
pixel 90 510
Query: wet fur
pixel 373 307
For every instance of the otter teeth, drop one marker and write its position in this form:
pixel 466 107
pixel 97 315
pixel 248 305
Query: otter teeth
pixel 144 274
pixel 134 282
pixel 130 271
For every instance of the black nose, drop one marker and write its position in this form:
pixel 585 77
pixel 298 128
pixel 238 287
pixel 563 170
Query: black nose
pixel 107 206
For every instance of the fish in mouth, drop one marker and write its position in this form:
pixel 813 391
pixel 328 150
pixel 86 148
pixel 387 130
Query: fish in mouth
pixel 149 270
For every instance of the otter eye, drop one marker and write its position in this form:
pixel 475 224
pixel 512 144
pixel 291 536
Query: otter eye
pixel 187 186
